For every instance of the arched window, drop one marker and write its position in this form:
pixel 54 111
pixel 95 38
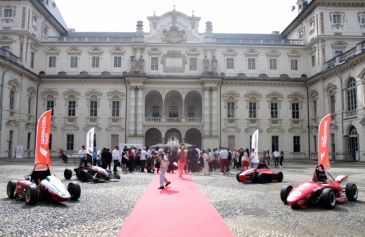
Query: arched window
pixel 351 94
pixel 12 99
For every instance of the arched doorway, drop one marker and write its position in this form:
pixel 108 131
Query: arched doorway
pixel 194 137
pixel 173 136
pixel 353 144
pixel 153 136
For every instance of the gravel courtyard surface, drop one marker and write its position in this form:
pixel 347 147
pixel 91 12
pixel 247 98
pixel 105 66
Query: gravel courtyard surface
pixel 248 209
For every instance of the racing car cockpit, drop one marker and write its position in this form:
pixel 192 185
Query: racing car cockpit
pixel 38 174
pixel 320 174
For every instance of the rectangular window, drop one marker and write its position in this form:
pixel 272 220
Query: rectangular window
pixel 251 64
pixel 32 58
pixel 274 110
pixel 93 108
pixel 338 52
pixel 274 143
pixel 29 105
pixel 70 142
pixel 362 20
pixel 154 64
pixel 117 61
pixel 313 60
pixel 296 144
pixel 333 145
pixel 12 100
pixel 294 64
pixel 8 12
pixel 115 108
pixel 52 61
pixel 230 109
pixel 230 63
pixel 155 111
pixel 193 64
pixel 191 111
pixel 29 136
pixel 50 105
pixel 252 110
pixel 333 104
pixel 315 144
pixel 273 64
pixel 336 19
pixel 295 110
pixel 71 108
pixel 315 108
pixel 95 61
pixel 73 61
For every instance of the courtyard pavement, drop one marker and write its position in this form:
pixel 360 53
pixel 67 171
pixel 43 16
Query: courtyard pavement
pixel 248 209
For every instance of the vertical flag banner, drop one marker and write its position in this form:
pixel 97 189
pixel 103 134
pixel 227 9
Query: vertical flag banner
pixel 255 143
pixel 323 138
pixel 90 140
pixel 42 154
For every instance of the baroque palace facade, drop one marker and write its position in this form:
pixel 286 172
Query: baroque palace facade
pixel 175 84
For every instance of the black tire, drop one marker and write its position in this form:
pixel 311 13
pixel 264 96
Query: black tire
pixel 284 193
pixel 328 198
pixel 84 176
pixel 74 189
pixel 261 178
pixel 280 176
pixel 351 192
pixel 31 195
pixel 10 189
pixel 254 178
pixel 67 174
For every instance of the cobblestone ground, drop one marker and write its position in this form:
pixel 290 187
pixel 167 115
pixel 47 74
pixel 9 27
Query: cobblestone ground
pixel 248 209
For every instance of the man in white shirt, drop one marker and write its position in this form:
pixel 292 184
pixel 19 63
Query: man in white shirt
pixel 276 155
pixel 143 159
pixel 116 158
pixel 223 157
pixel 83 156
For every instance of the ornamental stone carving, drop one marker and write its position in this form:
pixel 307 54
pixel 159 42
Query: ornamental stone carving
pixel 174 35
pixel 174 61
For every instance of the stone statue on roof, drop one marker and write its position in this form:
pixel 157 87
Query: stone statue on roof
pixel 206 63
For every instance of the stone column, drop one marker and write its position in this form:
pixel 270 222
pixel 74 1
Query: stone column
pixel 183 116
pixel 206 114
pixel 215 111
pixel 131 110
pixel 139 109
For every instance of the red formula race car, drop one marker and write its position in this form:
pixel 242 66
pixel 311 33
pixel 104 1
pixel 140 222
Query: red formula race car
pixel 259 175
pixel 91 173
pixel 323 190
pixel 41 185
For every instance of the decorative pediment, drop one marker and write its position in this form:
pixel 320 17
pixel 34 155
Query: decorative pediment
pixel 230 52
pixel 274 96
pixel 52 50
pixel 173 35
pixel 95 51
pixel 115 129
pixel 14 83
pixel 252 95
pixel 296 97
pixel 70 127
pixel 48 92
pixel 154 51
pixel 331 89
pixel 339 45
pixel 71 92
pixel 273 53
pixel 193 52
pixel 4 39
pixel 231 96
pixel 74 51
pixel 87 127
pixel 31 91
pixel 113 93
pixel 294 53
pixel 93 93
pixel 252 53
pixel 313 95
pixel 117 50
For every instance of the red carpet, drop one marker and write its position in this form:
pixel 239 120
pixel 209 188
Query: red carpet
pixel 181 210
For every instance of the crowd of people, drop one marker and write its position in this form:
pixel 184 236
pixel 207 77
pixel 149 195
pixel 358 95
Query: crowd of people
pixel 183 159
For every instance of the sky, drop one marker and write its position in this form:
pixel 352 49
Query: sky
pixel 227 16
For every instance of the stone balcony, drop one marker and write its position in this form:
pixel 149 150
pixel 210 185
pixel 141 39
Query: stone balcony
pixel 173 120
pixel 296 123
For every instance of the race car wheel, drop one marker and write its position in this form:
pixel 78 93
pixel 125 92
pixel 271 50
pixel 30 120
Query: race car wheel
pixel 254 178
pixel 262 178
pixel 351 192
pixel 10 189
pixel 84 176
pixel 74 189
pixel 67 174
pixel 279 176
pixel 284 193
pixel 328 198
pixel 31 195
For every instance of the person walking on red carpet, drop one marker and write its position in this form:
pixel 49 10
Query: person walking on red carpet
pixel 181 160
pixel 163 169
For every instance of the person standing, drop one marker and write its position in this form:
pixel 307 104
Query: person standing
pixel 181 160
pixel 94 156
pixel 116 158
pixel 132 155
pixel 143 159
pixel 281 158
pixel 163 169
pixel 83 156
pixel 245 159
pixel 223 157
pixel 276 158
pixel 254 159
pixel 207 160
